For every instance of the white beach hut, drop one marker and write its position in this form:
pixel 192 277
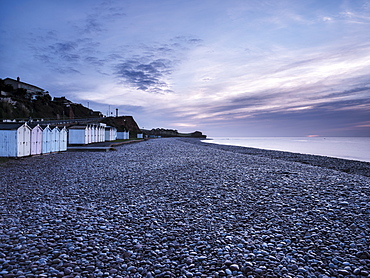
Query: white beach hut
pixel 107 133
pixel 123 135
pixel 110 133
pixel 46 139
pixel 97 139
pixel 101 133
pixel 120 135
pixel 102 127
pixel 63 135
pixel 89 134
pixel 93 134
pixel 55 139
pixel 96 134
pixel 78 135
pixel 15 139
pixel 36 139
pixel 114 133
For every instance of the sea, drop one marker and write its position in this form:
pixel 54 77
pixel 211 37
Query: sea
pixel 352 148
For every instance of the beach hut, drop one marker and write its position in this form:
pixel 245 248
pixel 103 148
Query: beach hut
pixel 93 133
pixel 96 133
pixel 63 135
pixel 114 133
pixel 102 132
pixel 89 134
pixel 55 139
pixel 78 135
pixel 99 133
pixel 36 139
pixel 98 128
pixel 46 139
pixel 110 133
pixel 15 139
pixel 123 135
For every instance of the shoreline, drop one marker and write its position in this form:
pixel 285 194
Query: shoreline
pixel 350 148
pixel 179 208
pixel 339 164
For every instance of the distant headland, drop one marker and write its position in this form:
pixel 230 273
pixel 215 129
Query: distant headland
pixel 161 132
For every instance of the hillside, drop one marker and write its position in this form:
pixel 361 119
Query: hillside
pixel 19 104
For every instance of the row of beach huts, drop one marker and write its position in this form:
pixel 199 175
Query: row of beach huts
pixel 25 139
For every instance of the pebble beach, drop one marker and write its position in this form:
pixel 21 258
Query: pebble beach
pixel 184 208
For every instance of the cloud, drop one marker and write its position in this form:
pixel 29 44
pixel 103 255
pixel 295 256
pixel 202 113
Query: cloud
pixel 149 67
pixel 275 102
pixel 67 70
pixel 327 18
pixel 98 19
pixel 145 76
pixel 92 25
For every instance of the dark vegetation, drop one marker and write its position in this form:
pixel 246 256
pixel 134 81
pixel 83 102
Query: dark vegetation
pixel 20 105
pixel 171 133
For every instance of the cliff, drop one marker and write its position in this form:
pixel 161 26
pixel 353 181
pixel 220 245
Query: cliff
pixel 123 123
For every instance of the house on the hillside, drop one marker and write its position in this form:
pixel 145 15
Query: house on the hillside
pixel 46 139
pixel 18 84
pixel 36 139
pixel 15 140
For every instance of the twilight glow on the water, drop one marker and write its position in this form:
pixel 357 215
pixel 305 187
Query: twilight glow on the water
pixel 353 148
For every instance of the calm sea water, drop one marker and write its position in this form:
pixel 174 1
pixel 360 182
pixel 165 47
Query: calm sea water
pixel 354 148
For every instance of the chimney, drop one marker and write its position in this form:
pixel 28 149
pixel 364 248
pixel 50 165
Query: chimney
pixel 116 112
pixel 18 83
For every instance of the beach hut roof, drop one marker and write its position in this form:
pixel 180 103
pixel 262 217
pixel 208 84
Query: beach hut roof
pixel 78 127
pixel 45 127
pixel 33 125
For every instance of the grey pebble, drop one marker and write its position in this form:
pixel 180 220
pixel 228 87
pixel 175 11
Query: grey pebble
pixel 184 208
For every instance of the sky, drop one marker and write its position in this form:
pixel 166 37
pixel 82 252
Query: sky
pixel 235 68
